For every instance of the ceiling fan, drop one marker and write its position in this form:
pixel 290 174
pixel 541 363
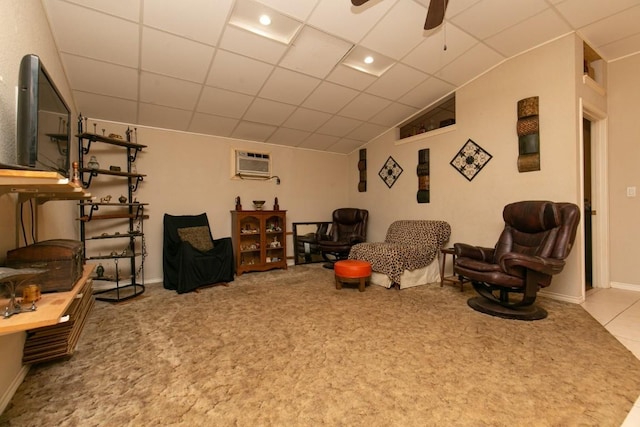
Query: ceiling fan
pixel 435 13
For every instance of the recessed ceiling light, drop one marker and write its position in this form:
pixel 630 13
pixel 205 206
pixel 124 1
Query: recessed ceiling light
pixel 265 20
pixel 367 61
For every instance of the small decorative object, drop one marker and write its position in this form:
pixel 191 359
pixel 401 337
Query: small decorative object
pixel 75 177
pixel 470 159
pixel 238 204
pixel 115 168
pixel 100 270
pixel 276 206
pixel 122 199
pixel 362 167
pixel 528 129
pixel 115 136
pixel 258 204
pixel 93 163
pixel 106 199
pixel 275 243
pixel 30 294
pixel 390 172
pixel 423 176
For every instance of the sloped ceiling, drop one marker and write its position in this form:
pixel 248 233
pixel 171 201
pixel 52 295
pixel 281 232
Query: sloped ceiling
pixel 181 65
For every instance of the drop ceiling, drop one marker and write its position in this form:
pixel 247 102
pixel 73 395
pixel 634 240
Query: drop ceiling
pixel 181 65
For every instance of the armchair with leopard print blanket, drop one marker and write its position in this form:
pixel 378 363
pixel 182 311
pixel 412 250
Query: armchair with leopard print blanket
pixel 409 254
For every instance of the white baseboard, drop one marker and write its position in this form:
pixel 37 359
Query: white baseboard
pixel 627 286
pixel 13 387
pixel 561 297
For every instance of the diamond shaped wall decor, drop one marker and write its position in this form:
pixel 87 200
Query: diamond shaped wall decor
pixel 390 172
pixel 470 159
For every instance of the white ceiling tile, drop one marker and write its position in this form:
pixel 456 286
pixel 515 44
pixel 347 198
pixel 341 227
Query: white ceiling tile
pixel 530 33
pixel 305 119
pixel 212 125
pixel 163 117
pixel 174 56
pixel 291 137
pixel 474 62
pixel 299 9
pixel 339 126
pixel 253 131
pixel 613 28
pixel 497 15
pixel 394 40
pixel 288 86
pixel 167 91
pixel 238 73
pixel 330 98
pixel 200 20
pixel 427 93
pixel 127 9
pixel 364 106
pixel 347 21
pixel 345 146
pixel 223 103
pixel 430 55
pixel 85 32
pixel 251 45
pixel 620 48
pixel 318 141
pixel 366 132
pixel 315 53
pixel 583 12
pixel 107 107
pixel 269 112
pixel 393 115
pixel 89 75
pixel 349 77
pixel 399 80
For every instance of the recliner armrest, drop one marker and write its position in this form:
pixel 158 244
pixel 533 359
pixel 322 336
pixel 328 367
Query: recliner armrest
pixel 474 252
pixel 513 260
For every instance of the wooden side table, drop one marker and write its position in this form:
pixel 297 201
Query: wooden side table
pixel 453 279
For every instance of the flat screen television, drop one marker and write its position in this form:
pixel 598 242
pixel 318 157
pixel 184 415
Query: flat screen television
pixel 43 120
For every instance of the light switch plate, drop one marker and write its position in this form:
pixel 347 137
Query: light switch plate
pixel 631 191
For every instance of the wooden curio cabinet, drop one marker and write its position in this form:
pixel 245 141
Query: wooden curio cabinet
pixel 259 240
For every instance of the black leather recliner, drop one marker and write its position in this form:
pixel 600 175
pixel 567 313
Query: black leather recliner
pixel 536 240
pixel 191 258
pixel 349 226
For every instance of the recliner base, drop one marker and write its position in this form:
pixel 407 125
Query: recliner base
pixel 528 312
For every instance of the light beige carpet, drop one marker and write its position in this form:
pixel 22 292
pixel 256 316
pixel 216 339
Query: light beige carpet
pixel 285 348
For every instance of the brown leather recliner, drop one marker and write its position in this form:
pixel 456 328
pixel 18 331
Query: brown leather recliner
pixel 536 240
pixel 349 226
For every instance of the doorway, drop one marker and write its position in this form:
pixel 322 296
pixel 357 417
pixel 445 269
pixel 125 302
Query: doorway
pixel 588 211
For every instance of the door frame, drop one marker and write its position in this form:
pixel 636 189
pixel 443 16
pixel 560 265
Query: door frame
pixel 600 193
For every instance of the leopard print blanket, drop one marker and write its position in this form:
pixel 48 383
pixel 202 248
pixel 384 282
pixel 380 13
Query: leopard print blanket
pixel 409 245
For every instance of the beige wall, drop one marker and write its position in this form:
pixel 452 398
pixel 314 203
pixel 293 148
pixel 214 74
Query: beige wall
pixel 486 113
pixel 624 152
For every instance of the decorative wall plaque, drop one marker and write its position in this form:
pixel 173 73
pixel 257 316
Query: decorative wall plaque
pixel 390 172
pixel 423 176
pixel 528 130
pixel 470 159
pixel 362 167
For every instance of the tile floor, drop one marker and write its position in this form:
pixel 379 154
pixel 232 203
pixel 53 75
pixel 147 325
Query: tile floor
pixel 618 310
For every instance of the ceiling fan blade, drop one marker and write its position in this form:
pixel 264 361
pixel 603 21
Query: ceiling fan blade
pixel 435 14
pixel 358 2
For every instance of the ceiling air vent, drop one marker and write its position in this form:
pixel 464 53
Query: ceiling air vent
pixel 253 164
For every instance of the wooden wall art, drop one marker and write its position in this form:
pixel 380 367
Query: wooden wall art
pixel 528 129
pixel 423 176
pixel 470 159
pixel 362 167
pixel 390 172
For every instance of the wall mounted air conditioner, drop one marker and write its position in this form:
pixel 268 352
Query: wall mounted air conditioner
pixel 252 164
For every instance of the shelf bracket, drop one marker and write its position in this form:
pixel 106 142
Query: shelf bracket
pixel 134 187
pixel 133 157
pixel 93 208
pixel 87 184
pixel 86 150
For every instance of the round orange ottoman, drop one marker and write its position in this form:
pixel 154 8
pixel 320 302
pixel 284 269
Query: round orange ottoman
pixel 352 271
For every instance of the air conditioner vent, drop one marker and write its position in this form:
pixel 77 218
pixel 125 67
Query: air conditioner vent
pixel 253 164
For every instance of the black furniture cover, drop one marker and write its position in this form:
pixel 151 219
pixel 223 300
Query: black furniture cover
pixel 187 267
